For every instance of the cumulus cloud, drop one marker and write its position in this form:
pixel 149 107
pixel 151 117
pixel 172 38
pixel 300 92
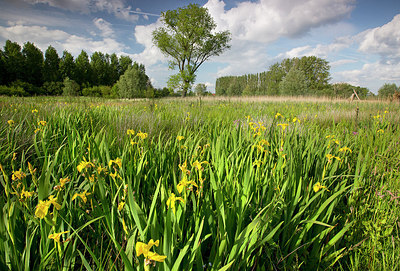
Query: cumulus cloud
pixel 268 20
pixel 384 41
pixel 116 7
pixel 104 27
pixel 61 40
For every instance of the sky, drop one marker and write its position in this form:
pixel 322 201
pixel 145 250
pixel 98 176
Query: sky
pixel 359 38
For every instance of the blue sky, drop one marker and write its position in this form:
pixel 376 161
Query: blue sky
pixel 360 39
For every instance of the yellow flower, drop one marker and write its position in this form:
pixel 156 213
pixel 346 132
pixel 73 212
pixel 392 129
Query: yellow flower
pixel 283 126
pixel 41 209
pixel 63 181
pixel 278 115
pixel 133 142
pixel 345 149
pixel 101 170
pixel 81 195
pixel 184 183
pixel 183 168
pixel 121 205
pixel 142 135
pixel 10 122
pixel 37 130
pixel 117 161
pixel 42 122
pixel 34 111
pixel 257 163
pixel 26 194
pixel 18 175
pixel 296 119
pixel 142 248
pixel 56 236
pixel 31 169
pixel 171 201
pixel 380 131
pixel 264 142
pixel 318 186
pixel 198 164
pixel 53 201
pixel 179 138
pixel 84 164
pixel 130 132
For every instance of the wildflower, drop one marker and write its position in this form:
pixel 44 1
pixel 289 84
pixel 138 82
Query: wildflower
pixel 101 170
pixel 34 111
pixel 171 201
pixel 53 201
pixel 278 115
pixel 10 122
pixel 117 161
pixel 31 169
pixel 142 135
pixel 130 132
pixel 81 195
pixel 142 248
pixel 257 163
pixel 14 156
pixel 63 181
pixel 41 209
pixel 18 175
pixel 345 149
pixel 183 168
pixel 263 142
pixel 179 138
pixel 26 194
pixel 42 123
pixel 84 164
pixel 380 131
pixel 37 130
pixel 318 186
pixel 133 142
pixel 198 164
pixel 56 236
pixel 330 157
pixel 184 183
pixel 296 119
pixel 121 205
pixel 283 126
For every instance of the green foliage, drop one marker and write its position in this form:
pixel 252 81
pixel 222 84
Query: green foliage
pixel 33 64
pixel 13 62
pixel 71 88
pixel 53 88
pixel 188 37
pixel 387 90
pixel 12 91
pixel 51 65
pixel 27 87
pixel 294 83
pixel 200 89
pixel 133 83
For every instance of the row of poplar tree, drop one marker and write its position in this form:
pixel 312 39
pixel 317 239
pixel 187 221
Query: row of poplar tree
pixel 308 75
pixel 28 71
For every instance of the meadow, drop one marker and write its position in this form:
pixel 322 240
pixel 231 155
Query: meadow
pixel 199 184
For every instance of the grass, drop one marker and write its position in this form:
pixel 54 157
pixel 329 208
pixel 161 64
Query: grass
pixel 222 184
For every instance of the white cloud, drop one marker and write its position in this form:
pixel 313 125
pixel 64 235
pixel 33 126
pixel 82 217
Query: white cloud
pixel 268 20
pixel 116 7
pixel 384 40
pixel 104 27
pixel 341 62
pixel 61 40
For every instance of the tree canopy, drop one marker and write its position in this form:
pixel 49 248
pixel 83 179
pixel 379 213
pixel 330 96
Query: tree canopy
pixel 188 38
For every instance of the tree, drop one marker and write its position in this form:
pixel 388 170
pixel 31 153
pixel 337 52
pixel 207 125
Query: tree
pixel 67 65
pixel 71 88
pixel 82 69
pixel 51 65
pixel 294 83
pixel 200 89
pixel 133 83
pixel 13 62
pixel 387 90
pixel 33 64
pixel 188 37
pixel 98 65
pixel 124 63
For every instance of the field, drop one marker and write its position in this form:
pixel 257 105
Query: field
pixel 211 184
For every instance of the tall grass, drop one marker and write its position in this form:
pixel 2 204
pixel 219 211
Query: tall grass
pixel 222 184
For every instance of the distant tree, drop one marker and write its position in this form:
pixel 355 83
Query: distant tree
pixel 124 63
pixel 33 64
pixel 188 37
pixel 113 67
pixel 3 78
pixel 387 90
pixel 13 62
pixel 83 69
pixel 200 89
pixel 134 82
pixel 53 88
pixel 71 88
pixel 294 83
pixel 98 66
pixel 67 66
pixel 51 65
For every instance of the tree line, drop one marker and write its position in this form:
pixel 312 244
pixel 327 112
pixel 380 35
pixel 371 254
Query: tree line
pixel 308 75
pixel 27 71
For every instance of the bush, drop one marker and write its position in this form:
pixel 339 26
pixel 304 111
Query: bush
pixel 27 87
pixel 12 91
pixel 71 88
pixel 53 88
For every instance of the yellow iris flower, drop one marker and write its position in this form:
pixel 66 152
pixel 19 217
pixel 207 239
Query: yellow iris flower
pixel 196 164
pixel 56 236
pixel 142 135
pixel 171 201
pixel 81 195
pixel 184 183
pixel 142 248
pixel 179 138
pixel 43 206
pixel 18 175
pixel 84 164
pixel 130 132
pixel 117 161
pixel 319 186
pixel 283 126
pixel 11 122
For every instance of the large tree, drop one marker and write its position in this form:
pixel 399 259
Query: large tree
pixel 13 62
pixel 82 69
pixel 188 37
pixel 51 71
